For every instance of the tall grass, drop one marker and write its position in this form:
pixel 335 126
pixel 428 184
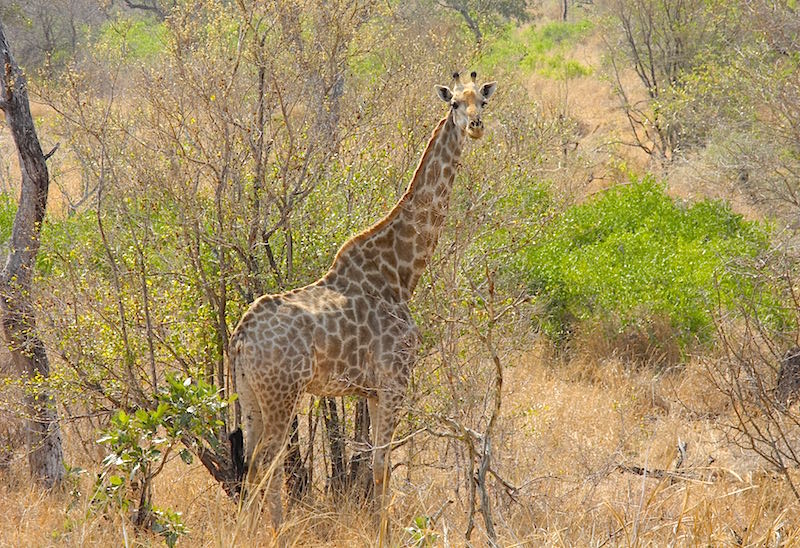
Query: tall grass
pixel 561 435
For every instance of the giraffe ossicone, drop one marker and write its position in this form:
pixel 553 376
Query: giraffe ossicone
pixel 351 331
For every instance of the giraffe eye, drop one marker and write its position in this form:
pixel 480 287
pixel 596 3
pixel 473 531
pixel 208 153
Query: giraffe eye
pixel 455 105
pixel 483 104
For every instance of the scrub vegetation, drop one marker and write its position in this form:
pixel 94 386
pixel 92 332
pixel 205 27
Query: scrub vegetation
pixel 609 324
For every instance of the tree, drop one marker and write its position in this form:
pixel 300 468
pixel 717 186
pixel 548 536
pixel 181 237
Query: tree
pixel 661 40
pixel 43 434
pixel 156 7
pixel 474 11
pixel 47 32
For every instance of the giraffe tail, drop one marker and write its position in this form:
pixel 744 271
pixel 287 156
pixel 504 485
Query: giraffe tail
pixel 236 439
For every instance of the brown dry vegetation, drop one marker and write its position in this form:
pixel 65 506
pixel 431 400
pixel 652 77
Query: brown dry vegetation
pixel 565 429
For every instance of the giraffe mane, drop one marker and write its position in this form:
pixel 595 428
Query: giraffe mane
pixel 406 195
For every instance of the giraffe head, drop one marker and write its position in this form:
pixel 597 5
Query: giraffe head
pixel 467 101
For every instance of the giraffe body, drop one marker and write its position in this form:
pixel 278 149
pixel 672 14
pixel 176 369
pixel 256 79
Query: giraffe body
pixel 351 332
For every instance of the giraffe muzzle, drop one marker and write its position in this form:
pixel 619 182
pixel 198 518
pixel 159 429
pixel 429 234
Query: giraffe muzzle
pixel 475 129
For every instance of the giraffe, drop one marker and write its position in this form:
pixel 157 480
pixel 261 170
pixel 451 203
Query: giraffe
pixel 351 331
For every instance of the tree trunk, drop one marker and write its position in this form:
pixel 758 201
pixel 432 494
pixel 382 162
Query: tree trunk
pixel 335 431
pixel 360 476
pixel 564 8
pixel 43 434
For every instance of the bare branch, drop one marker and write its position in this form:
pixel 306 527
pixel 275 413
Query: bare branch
pixel 52 151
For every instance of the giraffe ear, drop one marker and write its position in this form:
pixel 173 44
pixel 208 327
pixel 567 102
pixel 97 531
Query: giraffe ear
pixel 444 93
pixel 487 89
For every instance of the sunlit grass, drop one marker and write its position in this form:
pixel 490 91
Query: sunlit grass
pixel 562 433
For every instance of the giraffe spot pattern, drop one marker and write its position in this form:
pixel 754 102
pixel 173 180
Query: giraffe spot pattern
pixel 351 332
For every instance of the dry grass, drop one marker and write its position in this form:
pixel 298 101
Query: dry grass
pixel 604 143
pixel 565 428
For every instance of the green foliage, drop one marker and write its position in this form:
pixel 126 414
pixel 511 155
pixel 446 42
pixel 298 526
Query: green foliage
pixel 537 49
pixel 74 261
pixel 422 533
pixel 8 210
pixel 139 443
pixel 59 239
pixel 132 38
pixel 634 250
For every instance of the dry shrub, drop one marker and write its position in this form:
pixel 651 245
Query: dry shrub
pixel 649 342
pixel 757 368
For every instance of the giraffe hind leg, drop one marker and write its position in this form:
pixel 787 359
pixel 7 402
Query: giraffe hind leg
pixel 277 413
pixel 252 426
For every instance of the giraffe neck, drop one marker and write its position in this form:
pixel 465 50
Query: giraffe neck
pixel 400 245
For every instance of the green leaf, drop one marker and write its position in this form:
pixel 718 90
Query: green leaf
pixel 122 417
pixel 141 415
pixel 186 456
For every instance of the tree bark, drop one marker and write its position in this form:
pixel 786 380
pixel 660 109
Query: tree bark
pixel 360 476
pixel 151 7
pixel 43 433
pixel 335 431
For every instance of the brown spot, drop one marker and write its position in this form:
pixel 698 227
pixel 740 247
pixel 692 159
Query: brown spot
pixel 384 241
pixel 405 275
pixel 405 250
pixel 373 322
pixel 404 230
pixel 388 270
pixel 349 348
pixel 333 346
pixel 361 309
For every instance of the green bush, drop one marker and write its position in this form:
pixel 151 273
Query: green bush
pixel 633 252
pixel 538 50
pixel 140 443
pixel 132 38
